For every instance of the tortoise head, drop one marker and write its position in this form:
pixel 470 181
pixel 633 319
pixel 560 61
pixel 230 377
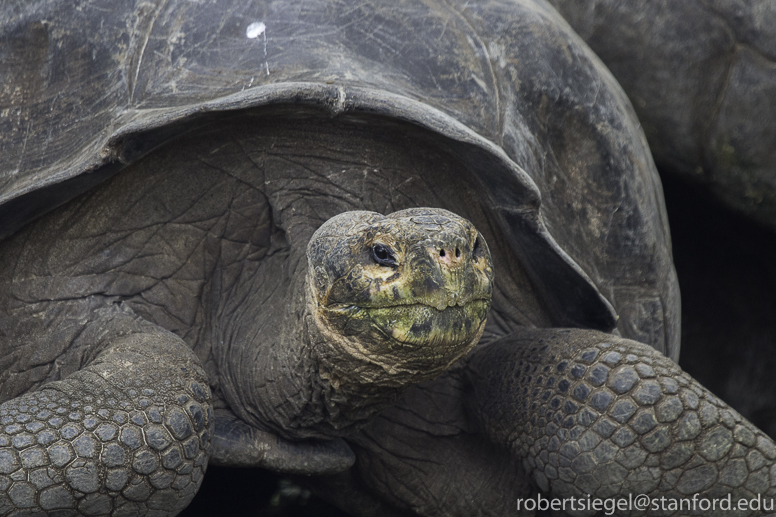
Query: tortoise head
pixel 398 298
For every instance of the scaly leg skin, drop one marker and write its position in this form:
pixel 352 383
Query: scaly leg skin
pixel 591 413
pixel 127 435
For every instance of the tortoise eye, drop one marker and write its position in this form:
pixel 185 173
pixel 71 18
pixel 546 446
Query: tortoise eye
pixel 383 255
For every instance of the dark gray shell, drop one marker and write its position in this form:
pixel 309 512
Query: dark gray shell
pixel 702 79
pixel 90 87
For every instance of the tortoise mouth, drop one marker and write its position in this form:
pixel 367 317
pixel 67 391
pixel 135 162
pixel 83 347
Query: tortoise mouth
pixel 460 302
pixel 414 323
pixel 420 324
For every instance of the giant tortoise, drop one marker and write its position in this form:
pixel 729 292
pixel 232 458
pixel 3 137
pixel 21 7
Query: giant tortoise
pixel 262 234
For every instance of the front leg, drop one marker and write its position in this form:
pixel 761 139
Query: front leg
pixel 128 434
pixel 593 414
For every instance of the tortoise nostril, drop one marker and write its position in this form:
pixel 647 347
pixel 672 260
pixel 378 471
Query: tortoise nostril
pixel 442 253
pixel 457 253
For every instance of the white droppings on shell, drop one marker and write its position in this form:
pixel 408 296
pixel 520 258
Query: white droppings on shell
pixel 255 30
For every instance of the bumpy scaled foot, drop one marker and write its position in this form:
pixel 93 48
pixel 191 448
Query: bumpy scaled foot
pixel 590 413
pixel 128 435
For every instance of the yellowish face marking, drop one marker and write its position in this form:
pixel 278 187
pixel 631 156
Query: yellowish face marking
pixel 407 293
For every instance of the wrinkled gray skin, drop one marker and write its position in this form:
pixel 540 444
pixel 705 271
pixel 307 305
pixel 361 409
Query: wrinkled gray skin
pixel 129 417
pixel 91 299
pixel 702 80
pixel 531 139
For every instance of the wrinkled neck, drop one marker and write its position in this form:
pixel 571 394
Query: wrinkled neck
pixel 287 383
